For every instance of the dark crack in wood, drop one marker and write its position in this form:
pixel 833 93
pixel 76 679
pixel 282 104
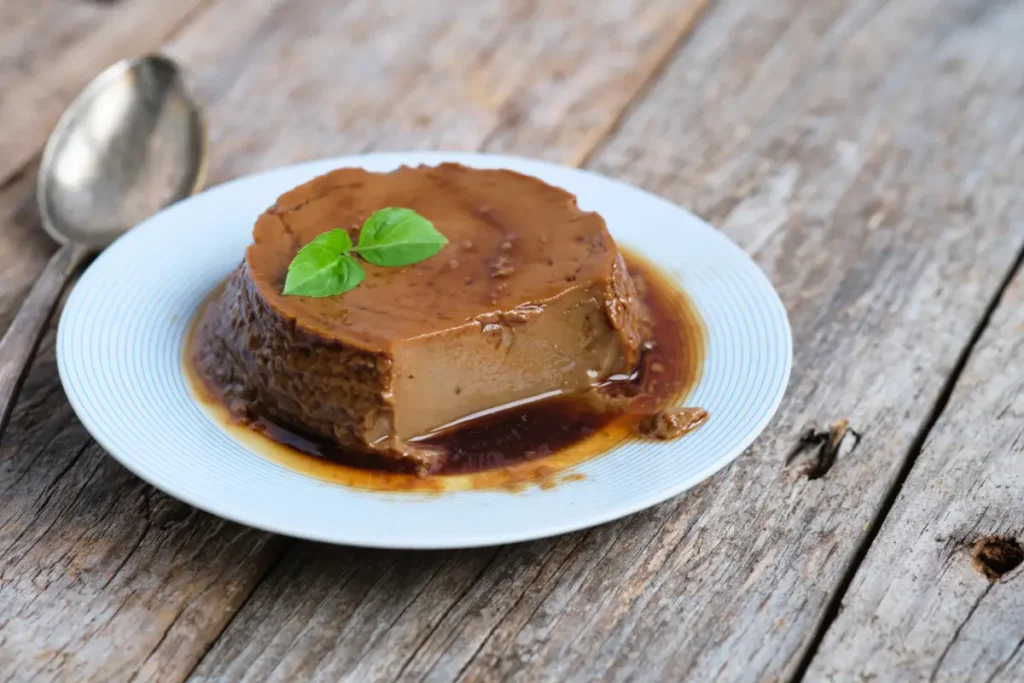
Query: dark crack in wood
pixel 817 451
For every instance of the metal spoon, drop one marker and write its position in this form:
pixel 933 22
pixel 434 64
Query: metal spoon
pixel 133 142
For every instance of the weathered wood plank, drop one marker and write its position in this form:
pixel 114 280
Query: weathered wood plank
pixel 865 153
pixel 24 247
pixel 292 83
pixel 932 600
pixel 18 345
pixel 99 574
pixel 102 576
pixel 49 50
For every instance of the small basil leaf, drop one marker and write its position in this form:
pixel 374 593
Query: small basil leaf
pixel 398 237
pixel 336 241
pixel 316 262
pixel 320 272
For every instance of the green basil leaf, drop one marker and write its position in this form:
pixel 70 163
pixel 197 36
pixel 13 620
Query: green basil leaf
pixel 396 237
pixel 335 241
pixel 323 267
pixel 390 237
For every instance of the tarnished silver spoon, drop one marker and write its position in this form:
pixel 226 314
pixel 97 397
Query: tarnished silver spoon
pixel 133 142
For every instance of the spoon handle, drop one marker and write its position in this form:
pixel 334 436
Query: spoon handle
pixel 20 342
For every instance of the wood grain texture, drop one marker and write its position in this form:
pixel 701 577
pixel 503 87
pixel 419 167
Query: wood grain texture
pixel 100 576
pixel 919 608
pixel 49 50
pixel 22 338
pixel 24 247
pixel 865 153
pixel 104 578
pixel 293 82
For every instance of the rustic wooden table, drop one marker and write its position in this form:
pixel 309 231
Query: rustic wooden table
pixel 867 154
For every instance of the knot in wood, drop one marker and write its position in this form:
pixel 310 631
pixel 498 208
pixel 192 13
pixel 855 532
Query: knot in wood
pixel 996 556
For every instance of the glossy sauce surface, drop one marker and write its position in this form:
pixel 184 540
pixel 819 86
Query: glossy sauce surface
pixel 532 444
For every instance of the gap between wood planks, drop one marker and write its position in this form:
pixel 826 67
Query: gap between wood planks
pixel 655 74
pixel 938 408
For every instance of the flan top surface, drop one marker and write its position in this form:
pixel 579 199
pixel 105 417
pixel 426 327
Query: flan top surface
pixel 513 240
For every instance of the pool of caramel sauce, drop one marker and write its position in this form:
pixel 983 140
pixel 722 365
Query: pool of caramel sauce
pixel 535 444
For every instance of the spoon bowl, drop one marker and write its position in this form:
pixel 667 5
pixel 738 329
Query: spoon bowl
pixel 132 143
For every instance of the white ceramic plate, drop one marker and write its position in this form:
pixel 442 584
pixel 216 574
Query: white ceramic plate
pixel 121 336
